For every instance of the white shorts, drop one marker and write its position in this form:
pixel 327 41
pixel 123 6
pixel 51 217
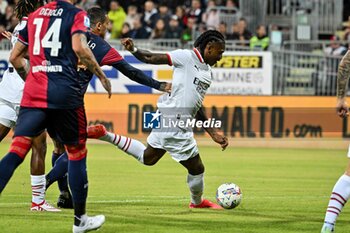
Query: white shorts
pixel 8 113
pixel 180 145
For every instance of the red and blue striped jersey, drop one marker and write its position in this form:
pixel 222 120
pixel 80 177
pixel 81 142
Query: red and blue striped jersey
pixel 53 80
pixel 104 54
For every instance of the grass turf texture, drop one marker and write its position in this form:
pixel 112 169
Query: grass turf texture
pixel 284 190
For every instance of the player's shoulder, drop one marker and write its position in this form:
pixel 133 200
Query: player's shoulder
pixel 96 39
pixel 21 25
pixel 181 52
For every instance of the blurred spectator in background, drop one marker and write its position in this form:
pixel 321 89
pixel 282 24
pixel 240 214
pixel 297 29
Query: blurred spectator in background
pixel 6 19
pixel 132 14
pixel 335 48
pixel 222 28
pixel 104 4
pixel 187 33
pixel 260 41
pixel 231 7
pixel 139 31
pixel 150 16
pixel 126 30
pixel 164 13
pixel 86 4
pixel 180 12
pixel 346 33
pixel 117 17
pixel 2 29
pixel 12 24
pixel 200 28
pixel 3 5
pixel 159 30
pixel 211 16
pixel 196 11
pixel 235 33
pixel 174 30
pixel 244 33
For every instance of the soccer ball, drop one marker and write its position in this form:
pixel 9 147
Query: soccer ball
pixel 229 195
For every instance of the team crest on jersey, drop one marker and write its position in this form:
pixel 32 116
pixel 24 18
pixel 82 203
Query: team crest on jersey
pixel 86 21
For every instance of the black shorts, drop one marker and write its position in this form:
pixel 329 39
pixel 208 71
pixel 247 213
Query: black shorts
pixel 68 126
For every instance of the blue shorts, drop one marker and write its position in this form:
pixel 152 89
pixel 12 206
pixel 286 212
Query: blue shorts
pixel 68 126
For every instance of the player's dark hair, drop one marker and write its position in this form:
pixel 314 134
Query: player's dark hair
pixel 96 14
pixel 206 37
pixel 25 7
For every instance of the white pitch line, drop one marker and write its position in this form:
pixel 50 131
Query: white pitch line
pixel 176 199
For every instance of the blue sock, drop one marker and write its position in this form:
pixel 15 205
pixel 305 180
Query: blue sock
pixel 63 181
pixel 8 165
pixel 59 173
pixel 78 183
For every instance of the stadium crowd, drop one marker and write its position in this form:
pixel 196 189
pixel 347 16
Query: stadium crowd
pixel 160 19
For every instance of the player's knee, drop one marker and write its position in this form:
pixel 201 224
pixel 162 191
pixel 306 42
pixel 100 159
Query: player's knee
pixel 150 161
pixel 196 170
pixel 76 152
pixel 20 146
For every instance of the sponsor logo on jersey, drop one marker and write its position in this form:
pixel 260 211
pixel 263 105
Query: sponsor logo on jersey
pixel 86 21
pixel 202 87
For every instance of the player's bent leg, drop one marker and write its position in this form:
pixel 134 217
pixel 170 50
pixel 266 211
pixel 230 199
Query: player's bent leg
pixel 59 173
pixel 59 170
pixel 340 195
pixel 4 130
pixel 195 181
pixel 17 152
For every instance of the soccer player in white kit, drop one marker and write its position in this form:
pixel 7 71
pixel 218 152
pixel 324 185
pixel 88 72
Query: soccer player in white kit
pixel 191 79
pixel 341 190
pixel 11 89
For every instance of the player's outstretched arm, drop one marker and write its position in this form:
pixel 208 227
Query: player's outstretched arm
pixel 342 84
pixel 144 55
pixel 86 57
pixel 17 59
pixel 213 132
pixel 140 77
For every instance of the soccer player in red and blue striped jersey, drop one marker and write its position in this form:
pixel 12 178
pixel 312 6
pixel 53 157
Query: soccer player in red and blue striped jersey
pixel 53 99
pixel 105 55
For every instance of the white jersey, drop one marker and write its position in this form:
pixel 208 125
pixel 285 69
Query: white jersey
pixel 11 84
pixel 191 80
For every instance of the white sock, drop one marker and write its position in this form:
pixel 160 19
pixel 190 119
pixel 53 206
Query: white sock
pixel 339 197
pixel 131 146
pixel 196 185
pixel 38 188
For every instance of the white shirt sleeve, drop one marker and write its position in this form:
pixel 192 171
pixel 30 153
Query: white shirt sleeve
pixel 179 57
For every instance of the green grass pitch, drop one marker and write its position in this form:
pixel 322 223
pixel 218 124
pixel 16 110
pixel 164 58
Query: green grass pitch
pixel 284 190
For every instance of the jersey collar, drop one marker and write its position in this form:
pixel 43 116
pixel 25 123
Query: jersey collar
pixel 200 58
